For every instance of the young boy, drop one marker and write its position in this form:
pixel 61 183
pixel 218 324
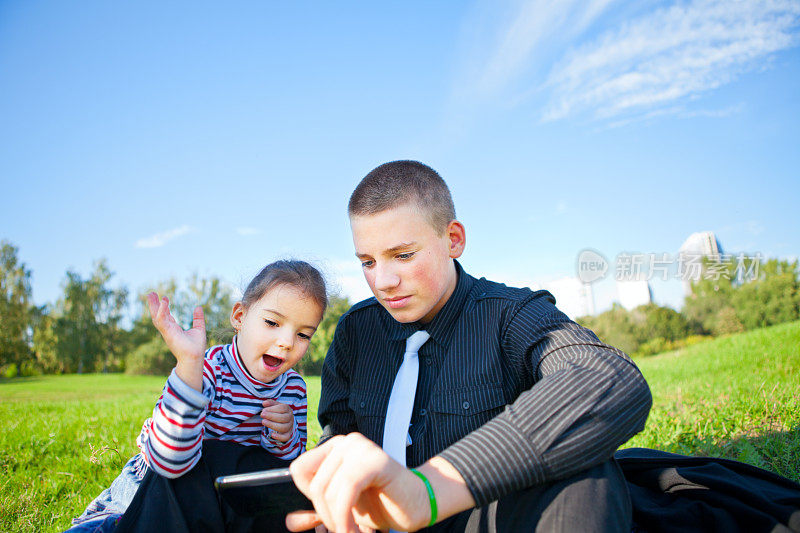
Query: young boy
pixel 516 410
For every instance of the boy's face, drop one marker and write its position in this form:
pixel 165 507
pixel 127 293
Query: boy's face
pixel 408 265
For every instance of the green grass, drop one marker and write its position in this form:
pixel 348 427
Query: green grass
pixel 736 397
pixel 65 438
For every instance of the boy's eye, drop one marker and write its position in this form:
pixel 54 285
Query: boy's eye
pixel 271 323
pixel 406 255
pixel 304 336
pixel 366 264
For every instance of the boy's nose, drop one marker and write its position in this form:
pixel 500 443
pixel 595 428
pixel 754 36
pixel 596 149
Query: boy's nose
pixel 386 278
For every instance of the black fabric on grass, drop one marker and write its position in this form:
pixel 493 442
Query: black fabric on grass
pixel 191 504
pixel 676 493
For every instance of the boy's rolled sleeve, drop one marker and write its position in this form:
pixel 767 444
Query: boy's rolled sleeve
pixel 587 400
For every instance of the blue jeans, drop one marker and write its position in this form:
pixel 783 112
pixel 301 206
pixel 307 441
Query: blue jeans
pixel 102 515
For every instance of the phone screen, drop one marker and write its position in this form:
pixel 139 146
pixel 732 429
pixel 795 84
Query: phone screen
pixel 266 492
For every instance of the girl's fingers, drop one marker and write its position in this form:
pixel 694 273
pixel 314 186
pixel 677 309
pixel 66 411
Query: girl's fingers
pixel 280 437
pixel 277 416
pixel 163 311
pixel 152 304
pixel 198 320
pixel 278 427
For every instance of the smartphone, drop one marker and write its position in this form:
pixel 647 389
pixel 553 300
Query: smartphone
pixel 265 492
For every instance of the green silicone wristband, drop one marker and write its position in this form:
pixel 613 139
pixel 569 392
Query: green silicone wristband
pixel 431 496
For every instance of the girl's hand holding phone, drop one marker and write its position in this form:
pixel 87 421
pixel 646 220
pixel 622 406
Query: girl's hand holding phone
pixel 278 417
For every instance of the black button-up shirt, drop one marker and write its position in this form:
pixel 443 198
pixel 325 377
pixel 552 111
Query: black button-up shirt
pixel 511 392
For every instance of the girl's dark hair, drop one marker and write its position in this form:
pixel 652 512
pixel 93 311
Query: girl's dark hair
pixel 291 272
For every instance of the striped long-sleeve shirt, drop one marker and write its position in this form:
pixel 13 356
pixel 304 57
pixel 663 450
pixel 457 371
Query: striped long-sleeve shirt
pixel 229 408
pixel 511 392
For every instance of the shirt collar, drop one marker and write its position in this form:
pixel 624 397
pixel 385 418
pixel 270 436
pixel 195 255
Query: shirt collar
pixel 442 324
pixel 239 371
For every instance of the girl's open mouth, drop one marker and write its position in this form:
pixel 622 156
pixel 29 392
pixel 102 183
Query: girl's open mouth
pixel 271 362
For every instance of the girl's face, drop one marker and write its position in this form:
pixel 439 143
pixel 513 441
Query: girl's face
pixel 275 331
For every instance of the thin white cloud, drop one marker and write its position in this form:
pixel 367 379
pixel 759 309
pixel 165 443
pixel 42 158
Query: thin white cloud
pixel 679 111
pixel 247 230
pixel 526 36
pixel 715 113
pixel 160 239
pixel 668 56
pixel 618 61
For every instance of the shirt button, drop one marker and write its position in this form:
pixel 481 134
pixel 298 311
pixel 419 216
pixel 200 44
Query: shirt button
pixel 428 361
pixel 465 405
pixel 362 404
pixel 423 412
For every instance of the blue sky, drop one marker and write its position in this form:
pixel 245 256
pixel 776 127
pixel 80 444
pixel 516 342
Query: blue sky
pixel 213 138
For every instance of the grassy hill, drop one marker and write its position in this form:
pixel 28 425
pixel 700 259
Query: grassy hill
pixel 736 396
pixel 65 438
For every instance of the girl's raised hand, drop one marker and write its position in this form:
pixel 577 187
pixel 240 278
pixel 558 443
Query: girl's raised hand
pixel 186 346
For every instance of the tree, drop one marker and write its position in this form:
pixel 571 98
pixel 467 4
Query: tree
pixel 216 299
pixel 16 310
pixel 647 329
pixel 151 357
pixel 614 327
pixel 712 297
pixel 87 322
pixel 654 321
pixel 45 343
pixel 727 303
pixel 311 363
pixel 772 298
pixel 148 354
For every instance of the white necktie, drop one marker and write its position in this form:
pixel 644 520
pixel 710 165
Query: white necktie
pixel 401 400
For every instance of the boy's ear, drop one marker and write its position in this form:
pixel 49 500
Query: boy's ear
pixel 457 236
pixel 236 316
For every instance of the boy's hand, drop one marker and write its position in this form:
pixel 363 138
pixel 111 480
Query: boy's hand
pixel 356 487
pixel 278 417
pixel 188 346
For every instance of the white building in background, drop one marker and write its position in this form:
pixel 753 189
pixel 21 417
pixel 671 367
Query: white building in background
pixel 633 293
pixel 693 250
pixel 703 243
pixel 573 297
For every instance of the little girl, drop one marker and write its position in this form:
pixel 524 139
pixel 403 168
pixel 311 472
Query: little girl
pixel 244 392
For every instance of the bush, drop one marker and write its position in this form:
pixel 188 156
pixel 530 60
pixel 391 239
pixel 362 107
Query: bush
pixel 661 345
pixel 311 363
pixel 646 330
pixel 10 371
pixel 152 357
pixel 732 303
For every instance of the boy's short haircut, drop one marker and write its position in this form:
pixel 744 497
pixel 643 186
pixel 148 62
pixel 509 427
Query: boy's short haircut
pixel 401 182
